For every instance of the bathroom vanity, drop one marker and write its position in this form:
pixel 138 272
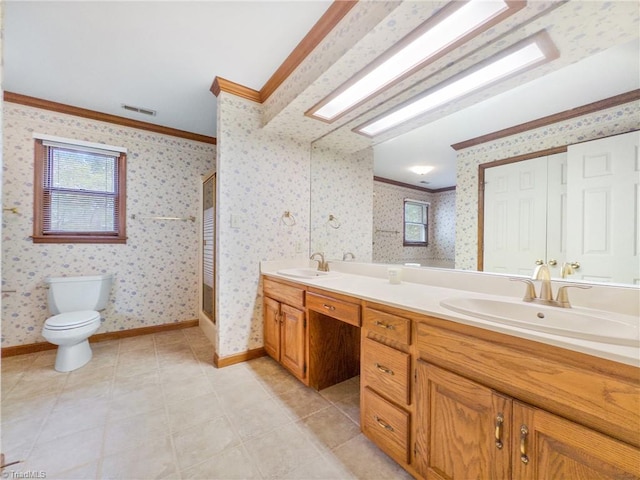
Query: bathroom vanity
pixel 447 398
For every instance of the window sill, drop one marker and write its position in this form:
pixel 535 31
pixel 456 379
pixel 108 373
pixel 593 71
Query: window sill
pixel 77 239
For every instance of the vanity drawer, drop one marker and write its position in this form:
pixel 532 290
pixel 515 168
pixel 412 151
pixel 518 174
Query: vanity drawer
pixel 388 325
pixel 284 293
pixel 344 311
pixel 386 425
pixel 386 370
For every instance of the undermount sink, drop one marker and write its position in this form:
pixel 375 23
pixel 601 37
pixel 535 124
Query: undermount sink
pixel 594 325
pixel 306 273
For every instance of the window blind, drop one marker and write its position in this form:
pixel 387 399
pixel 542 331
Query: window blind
pixel 80 190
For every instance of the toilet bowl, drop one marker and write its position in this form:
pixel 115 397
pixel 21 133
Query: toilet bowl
pixel 71 332
pixel 75 302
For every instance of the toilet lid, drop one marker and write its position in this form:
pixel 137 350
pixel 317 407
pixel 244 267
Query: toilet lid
pixel 64 321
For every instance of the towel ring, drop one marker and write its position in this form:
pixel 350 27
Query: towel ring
pixel 288 219
pixel 333 222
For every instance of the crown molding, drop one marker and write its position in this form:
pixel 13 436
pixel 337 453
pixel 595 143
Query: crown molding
pixel 223 85
pixel 551 119
pixel 103 117
pixel 413 187
pixel 336 12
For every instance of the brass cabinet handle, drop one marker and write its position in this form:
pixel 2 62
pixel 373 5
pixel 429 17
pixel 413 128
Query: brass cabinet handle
pixel 553 262
pixel 539 262
pixel 498 433
pixel 383 424
pixel 575 265
pixel 329 307
pixel 384 325
pixel 383 369
pixel 524 432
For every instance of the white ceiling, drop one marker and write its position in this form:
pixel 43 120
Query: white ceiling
pixel 164 56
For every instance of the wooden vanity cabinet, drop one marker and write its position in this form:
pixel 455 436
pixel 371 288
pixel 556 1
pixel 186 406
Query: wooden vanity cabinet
pixel 385 379
pixel 493 406
pixel 285 326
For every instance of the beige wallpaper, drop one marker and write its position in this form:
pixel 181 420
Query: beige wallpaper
pixel 156 272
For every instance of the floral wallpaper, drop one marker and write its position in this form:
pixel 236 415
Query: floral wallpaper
pixel 611 121
pixel 260 177
pixel 156 271
pixel 388 202
pixel 342 186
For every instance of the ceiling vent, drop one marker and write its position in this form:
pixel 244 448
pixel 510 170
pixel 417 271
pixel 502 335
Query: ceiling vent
pixel 144 111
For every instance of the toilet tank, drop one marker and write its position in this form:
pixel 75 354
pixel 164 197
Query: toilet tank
pixel 70 294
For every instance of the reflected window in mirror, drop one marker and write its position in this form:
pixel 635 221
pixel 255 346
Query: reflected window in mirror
pixel 416 223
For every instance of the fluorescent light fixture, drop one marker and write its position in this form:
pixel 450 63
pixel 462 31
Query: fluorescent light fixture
pixel 454 24
pixel 524 55
pixel 421 169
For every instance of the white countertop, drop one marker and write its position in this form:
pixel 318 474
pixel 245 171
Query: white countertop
pixel 424 298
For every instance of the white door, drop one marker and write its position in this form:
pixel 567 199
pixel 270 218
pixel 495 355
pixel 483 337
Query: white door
pixel 556 212
pixel 515 208
pixel 603 199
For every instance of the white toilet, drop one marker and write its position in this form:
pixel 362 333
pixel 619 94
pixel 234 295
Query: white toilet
pixel 75 302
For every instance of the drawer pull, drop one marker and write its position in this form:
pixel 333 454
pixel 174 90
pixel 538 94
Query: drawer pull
pixel 499 423
pixel 383 369
pixel 384 325
pixel 383 424
pixel 329 307
pixel 524 432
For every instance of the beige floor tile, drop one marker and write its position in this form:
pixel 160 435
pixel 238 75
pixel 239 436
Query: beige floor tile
pixel 35 407
pixel 302 402
pixel 177 373
pixel 131 432
pixel 124 385
pixel 133 368
pixel 67 453
pixel 239 396
pixel 193 411
pixel 188 388
pixel 145 399
pixel 136 343
pixel 197 443
pixel 228 376
pixel 360 456
pixel 169 337
pixel 17 363
pixel 83 472
pixel 350 406
pixel 329 428
pixel 146 354
pixel 232 464
pixel 281 451
pixel 320 468
pixel 70 419
pixel 258 417
pixel 19 437
pixel 151 460
pixel 340 391
pixel 90 374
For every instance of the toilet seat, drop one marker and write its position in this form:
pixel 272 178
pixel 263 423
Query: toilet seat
pixel 70 320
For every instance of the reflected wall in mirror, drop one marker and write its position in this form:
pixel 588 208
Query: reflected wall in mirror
pixel 388 203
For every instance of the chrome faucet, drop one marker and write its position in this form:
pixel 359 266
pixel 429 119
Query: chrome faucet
pixel 546 294
pixel 323 266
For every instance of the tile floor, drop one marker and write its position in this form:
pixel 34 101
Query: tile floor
pixel 155 407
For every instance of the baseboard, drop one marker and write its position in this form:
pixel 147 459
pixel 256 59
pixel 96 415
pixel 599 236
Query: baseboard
pixel 100 337
pixel 220 362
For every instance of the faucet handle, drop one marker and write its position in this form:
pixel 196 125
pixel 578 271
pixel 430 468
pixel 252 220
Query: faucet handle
pixel 562 299
pixel 530 292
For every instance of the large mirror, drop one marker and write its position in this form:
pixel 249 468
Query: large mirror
pixel 607 73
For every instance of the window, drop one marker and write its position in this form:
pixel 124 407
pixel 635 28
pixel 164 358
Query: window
pixel 416 223
pixel 79 192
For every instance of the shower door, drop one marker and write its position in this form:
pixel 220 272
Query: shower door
pixel 208 246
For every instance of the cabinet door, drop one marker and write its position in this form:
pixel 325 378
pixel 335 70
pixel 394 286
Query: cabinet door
pixel 292 349
pixel 272 328
pixel 547 446
pixel 462 428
